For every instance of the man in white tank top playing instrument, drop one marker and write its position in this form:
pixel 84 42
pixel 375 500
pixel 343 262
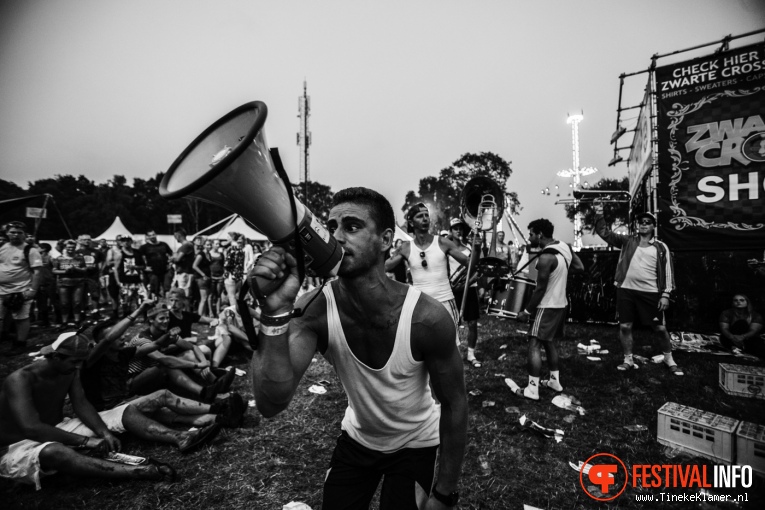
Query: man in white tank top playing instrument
pixel 389 343
pixel 547 307
pixel 645 279
pixel 427 256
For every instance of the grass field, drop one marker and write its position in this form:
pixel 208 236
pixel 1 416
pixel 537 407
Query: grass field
pixel 270 462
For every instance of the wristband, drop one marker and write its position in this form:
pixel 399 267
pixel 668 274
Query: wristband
pixel 131 318
pixel 274 330
pixel 276 320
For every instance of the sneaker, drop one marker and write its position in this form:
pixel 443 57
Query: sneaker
pixel 552 384
pixel 626 366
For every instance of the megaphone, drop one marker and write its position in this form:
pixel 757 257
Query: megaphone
pixel 230 165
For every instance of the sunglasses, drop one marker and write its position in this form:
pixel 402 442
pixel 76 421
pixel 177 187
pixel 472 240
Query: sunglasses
pixel 645 222
pixel 424 262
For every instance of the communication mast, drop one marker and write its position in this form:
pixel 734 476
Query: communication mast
pixel 304 138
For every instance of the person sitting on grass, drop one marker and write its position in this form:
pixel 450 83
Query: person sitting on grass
pixel 740 327
pixel 231 331
pixel 36 439
pixel 105 380
pixel 162 359
pixel 181 318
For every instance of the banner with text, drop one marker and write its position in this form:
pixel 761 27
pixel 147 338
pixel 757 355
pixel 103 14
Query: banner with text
pixel 711 145
pixel 640 161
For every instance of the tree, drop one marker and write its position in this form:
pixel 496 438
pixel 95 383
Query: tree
pixel 319 198
pixel 443 194
pixel 617 213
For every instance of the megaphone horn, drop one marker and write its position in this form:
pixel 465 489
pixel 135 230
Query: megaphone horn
pixel 230 165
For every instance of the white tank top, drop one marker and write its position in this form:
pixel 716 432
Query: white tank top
pixel 434 279
pixel 555 295
pixel 388 408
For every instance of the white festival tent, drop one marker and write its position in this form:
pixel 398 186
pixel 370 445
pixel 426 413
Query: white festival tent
pixel 233 223
pixel 116 229
pixel 400 234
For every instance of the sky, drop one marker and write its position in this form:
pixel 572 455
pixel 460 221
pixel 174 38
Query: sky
pixel 399 89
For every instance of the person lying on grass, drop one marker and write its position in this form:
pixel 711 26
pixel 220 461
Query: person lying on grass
pixel 389 344
pixel 36 439
pixel 105 381
pixel 163 360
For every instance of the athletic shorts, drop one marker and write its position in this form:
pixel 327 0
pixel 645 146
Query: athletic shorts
pixel 355 471
pixel 638 306
pixel 548 324
pixel 20 314
pixel 22 460
pixel 471 304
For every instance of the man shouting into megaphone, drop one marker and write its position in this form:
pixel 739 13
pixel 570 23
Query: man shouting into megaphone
pixel 389 344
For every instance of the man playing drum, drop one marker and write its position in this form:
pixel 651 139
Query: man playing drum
pixel 547 307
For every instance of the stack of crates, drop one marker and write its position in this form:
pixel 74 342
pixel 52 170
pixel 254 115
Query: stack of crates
pixel 742 380
pixel 698 432
pixel 750 446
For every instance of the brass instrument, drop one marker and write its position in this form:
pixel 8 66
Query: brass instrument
pixel 482 204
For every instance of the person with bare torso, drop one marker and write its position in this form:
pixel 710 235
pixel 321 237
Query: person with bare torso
pixel 36 439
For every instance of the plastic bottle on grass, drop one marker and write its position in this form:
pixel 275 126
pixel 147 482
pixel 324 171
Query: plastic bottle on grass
pixel 483 460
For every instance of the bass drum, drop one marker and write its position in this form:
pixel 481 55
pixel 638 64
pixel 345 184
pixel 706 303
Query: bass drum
pixel 510 296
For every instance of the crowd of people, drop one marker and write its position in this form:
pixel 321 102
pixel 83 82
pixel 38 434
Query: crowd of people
pixel 83 279
pixel 388 323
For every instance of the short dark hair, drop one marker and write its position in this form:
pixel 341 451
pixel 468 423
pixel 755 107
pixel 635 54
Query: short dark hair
pixel 542 226
pixel 379 207
pixel 181 231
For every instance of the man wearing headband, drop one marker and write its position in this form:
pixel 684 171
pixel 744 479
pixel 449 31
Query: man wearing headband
pixel 427 256
pixel 389 344
pixel 36 439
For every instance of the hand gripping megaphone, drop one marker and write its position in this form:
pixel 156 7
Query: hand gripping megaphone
pixel 230 165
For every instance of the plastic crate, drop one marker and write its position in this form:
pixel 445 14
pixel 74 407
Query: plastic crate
pixel 697 432
pixel 742 380
pixel 750 446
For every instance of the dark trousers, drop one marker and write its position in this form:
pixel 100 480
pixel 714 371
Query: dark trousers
pixel 355 473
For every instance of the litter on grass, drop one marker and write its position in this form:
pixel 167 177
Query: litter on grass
pixel 319 390
pixel 499 375
pixel 296 505
pixel 503 347
pixel 565 402
pixel 512 410
pixel 239 372
pixel 636 428
pixel 503 356
pixel 251 403
pixel 488 403
pixel 529 507
pixel 569 418
pixel 475 393
pixel 556 434
pixel 593 358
